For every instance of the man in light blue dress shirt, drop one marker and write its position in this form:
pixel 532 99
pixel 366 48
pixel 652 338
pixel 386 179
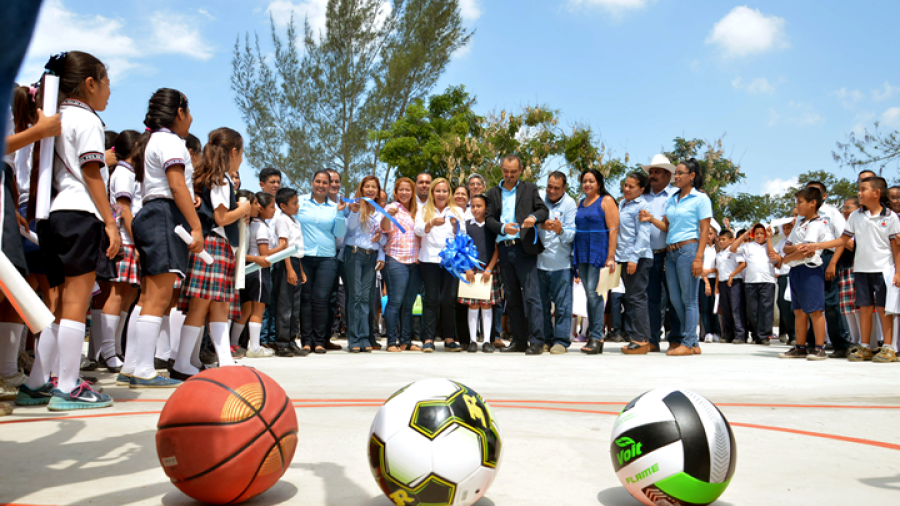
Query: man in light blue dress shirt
pixel 555 263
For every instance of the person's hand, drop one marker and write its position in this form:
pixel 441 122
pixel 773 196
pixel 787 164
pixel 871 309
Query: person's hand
pixel 245 207
pixel 697 268
pixel 470 276
pixel 805 249
pixel 726 223
pixel 511 229
pixel 341 205
pixel 453 222
pixel 437 221
pixel 486 276
pixel 708 289
pixel 292 278
pixel 115 240
pixel 262 262
pixel 730 279
pixel 376 236
pixel 851 245
pixel 769 232
pixel 196 245
pixel 897 279
pixel 21 221
pixel 379 265
pixel 577 280
pixel 611 264
pixel 774 258
pixel 303 277
pixel 547 225
pixel 632 267
pixel 830 272
pixel 354 208
pixel 529 222
pixel 717 290
pixel 49 126
pixel 197 202
pixel 392 211
pixel 645 216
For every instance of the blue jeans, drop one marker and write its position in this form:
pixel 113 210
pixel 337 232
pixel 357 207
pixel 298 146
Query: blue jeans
pixel 359 268
pixel 518 272
pixel 655 292
pixel 590 276
pixel 403 285
pixel 314 299
pixel 683 290
pixel 556 287
pixel 267 332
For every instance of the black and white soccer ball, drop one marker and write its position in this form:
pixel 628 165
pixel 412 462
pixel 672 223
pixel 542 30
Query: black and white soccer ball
pixel 434 442
pixel 673 447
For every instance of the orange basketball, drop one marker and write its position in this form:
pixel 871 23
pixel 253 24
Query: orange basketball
pixel 226 435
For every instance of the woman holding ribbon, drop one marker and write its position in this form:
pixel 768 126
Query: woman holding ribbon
pixel 596 224
pixel 362 258
pixel 436 224
pixel 323 223
pixel 401 267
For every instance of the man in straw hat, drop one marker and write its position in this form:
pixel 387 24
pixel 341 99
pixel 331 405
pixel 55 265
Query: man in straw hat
pixel 660 171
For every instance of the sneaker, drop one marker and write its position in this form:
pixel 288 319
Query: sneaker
pixel 792 342
pixel 238 352
pixel 283 351
pixel 840 353
pixel 763 341
pixel 92 382
pixel 452 347
pixel 817 354
pixel 546 348
pixel 29 397
pixel 427 347
pixel 158 381
pixel 795 352
pixel 558 349
pixel 207 357
pixel 861 354
pixel 113 369
pixel 7 391
pixel 81 397
pixel 738 340
pixel 708 338
pixel 885 355
pixel 6 408
pixel 16 380
pixel 87 364
pixel 262 353
pixel 123 380
pixel 783 338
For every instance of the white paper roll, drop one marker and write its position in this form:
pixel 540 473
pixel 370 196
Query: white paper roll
pixel 22 297
pixel 241 263
pixel 186 237
pixel 30 235
pixel 277 257
pixel 45 169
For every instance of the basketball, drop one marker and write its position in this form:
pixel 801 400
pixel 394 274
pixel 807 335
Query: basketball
pixel 226 435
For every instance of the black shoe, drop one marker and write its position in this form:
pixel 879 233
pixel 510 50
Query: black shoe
pixel 452 347
pixel 473 348
pixel 207 357
pixel 284 352
pixel 180 376
pixel 102 362
pixel 739 341
pixel 487 348
pixel 593 347
pixel 331 346
pixel 514 347
pixel 320 350
pixel 535 349
pixel 170 363
pixel 159 364
pixel 301 352
pixel 845 353
pixel 829 347
pixel 764 341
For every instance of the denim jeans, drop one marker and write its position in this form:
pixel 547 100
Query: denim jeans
pixel 403 285
pixel 556 287
pixel 267 332
pixel 590 276
pixel 519 274
pixel 683 289
pixel 359 267
pixel 656 295
pixel 320 275
pixel 636 296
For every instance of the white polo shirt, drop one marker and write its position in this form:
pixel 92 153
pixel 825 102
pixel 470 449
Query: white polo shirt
pixel 873 234
pixel 123 185
pixel 81 142
pixel 23 171
pixel 286 227
pixel 785 269
pixel 165 150
pixel 709 260
pixel 221 196
pixel 833 218
pixel 259 234
pixel 809 231
pixel 436 239
pixel 726 263
pixel 759 266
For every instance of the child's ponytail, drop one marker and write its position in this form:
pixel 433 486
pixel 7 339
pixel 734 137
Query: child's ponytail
pixel 161 113
pixel 216 161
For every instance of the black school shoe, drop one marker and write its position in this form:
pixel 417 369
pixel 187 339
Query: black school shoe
pixel 473 348
pixel 845 353
pixel 452 347
pixel 535 349
pixel 487 348
pixel 281 351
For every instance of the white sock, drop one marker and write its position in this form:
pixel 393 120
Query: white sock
pixel 190 336
pixel 10 334
pixel 120 329
pixel 96 334
pixel 108 325
pixel 254 330
pixel 131 351
pixel 236 330
pixel 44 352
pixel 176 322
pixel 218 332
pixel 70 342
pixel 147 332
pixel 163 341
pixel 473 325
pixel 195 354
pixel 487 320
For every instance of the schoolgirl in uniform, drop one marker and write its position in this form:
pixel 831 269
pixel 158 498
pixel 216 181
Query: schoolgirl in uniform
pixel 488 253
pixel 163 167
pixel 80 236
pixel 209 288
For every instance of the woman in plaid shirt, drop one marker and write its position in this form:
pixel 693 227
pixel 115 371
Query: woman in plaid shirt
pixel 401 268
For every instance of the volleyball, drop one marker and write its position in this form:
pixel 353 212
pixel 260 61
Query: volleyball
pixel 434 442
pixel 672 446
pixel 226 435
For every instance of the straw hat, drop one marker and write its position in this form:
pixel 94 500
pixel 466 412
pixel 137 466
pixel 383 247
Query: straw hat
pixel 661 162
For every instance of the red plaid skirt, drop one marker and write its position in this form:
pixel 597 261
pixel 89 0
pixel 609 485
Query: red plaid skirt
pixel 847 291
pixel 128 270
pixel 495 291
pixel 214 281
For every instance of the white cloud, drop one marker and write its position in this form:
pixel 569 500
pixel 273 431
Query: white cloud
pixel 470 10
pixel 885 92
pixel 755 86
pixel 745 31
pixel 776 187
pixel 795 114
pixel 312 10
pixel 174 35
pixel 207 14
pixel 891 117
pixel 848 98
pixel 616 6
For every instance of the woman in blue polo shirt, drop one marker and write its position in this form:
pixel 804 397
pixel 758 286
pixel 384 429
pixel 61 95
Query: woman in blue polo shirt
pixel 686 222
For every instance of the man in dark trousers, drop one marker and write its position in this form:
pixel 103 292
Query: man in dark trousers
pixel 514 208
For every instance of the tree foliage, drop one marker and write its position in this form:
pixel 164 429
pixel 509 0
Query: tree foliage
pixel 747 209
pixel 873 149
pixel 719 171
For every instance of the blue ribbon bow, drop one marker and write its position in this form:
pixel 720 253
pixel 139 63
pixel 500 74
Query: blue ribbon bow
pixel 379 209
pixel 460 255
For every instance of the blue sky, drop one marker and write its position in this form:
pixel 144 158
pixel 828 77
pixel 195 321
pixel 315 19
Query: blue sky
pixel 784 80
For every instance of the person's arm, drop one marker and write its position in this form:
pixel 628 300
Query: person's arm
pixel 642 244
pixel 611 211
pixel 97 190
pixel 567 234
pixel 182 197
pixel 45 127
pixel 648 217
pixel 717 283
pixel 741 240
pixel 225 217
pixel 697 265
pixel 291 274
pixel 539 209
pixel 811 247
pixel 127 217
pixel 489 269
pixel 741 266
pixel 895 249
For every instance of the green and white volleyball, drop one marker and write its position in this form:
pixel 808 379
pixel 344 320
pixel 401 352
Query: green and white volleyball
pixel 435 442
pixel 673 447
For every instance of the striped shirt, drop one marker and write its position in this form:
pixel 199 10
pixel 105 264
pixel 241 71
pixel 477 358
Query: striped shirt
pixel 403 248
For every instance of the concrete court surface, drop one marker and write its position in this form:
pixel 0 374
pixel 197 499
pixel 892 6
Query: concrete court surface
pixel 808 433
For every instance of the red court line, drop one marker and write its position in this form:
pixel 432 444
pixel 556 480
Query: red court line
pixel 879 444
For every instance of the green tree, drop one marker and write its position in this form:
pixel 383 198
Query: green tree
pixel 719 171
pixel 747 209
pixel 872 149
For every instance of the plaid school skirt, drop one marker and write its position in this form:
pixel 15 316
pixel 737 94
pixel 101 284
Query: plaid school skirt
pixel 128 270
pixel 214 281
pixel 495 291
pixel 847 291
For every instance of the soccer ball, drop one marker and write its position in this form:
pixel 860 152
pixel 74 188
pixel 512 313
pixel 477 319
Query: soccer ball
pixel 672 446
pixel 434 442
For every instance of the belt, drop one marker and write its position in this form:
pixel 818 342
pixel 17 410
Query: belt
pixel 658 251
pixel 357 249
pixel 510 242
pixel 678 245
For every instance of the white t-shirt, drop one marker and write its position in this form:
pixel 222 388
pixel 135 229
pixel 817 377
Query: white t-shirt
pixel 726 263
pixel 220 196
pixel 165 150
pixel 81 142
pixel 123 185
pixel 808 231
pixel 288 228
pixel 259 234
pixel 873 234
pixel 834 219
pixel 436 239
pixel 785 269
pixel 23 172
pixel 759 267
pixel 709 260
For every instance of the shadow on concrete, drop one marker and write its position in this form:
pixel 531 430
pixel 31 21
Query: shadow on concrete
pixel 280 493
pixel 888 482
pixel 339 488
pixel 619 496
